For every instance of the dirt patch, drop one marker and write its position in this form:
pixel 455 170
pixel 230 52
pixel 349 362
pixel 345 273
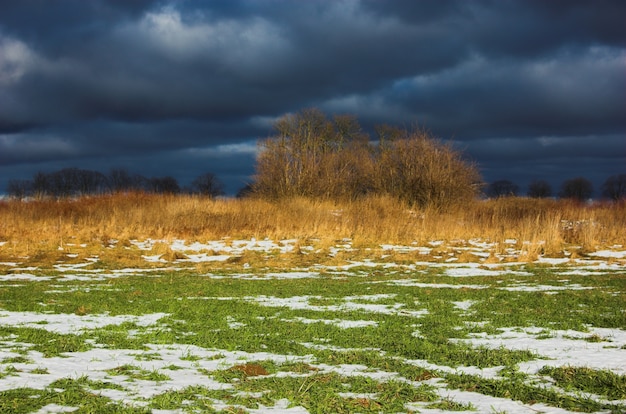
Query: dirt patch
pixel 250 370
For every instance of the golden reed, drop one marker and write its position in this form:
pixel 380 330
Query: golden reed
pixel 549 225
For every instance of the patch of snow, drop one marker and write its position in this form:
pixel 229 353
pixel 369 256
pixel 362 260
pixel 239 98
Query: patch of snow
pixel 24 276
pixel 406 249
pixel 203 257
pixel 414 283
pixel 610 254
pixel 64 323
pixel 280 406
pixel 476 271
pixel 55 408
pixel 340 323
pixel 554 261
pixel 155 258
pixel 302 303
pixel 544 288
pixel 464 305
pixel 564 348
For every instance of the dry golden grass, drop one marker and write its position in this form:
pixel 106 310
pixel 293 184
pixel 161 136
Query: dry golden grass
pixel 36 228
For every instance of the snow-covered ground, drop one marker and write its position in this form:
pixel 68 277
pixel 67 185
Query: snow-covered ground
pixel 562 348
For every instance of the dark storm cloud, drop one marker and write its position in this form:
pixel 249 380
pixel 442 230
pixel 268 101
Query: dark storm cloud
pixel 158 80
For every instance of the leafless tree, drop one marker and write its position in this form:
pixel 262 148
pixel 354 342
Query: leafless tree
pixel 19 189
pixel 578 188
pixel 614 187
pixel 164 185
pixel 539 189
pixel 314 156
pixel 207 185
pixel 502 188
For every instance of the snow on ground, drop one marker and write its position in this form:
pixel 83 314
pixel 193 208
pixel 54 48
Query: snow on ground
pixel 607 350
pixel 562 348
pixel 302 303
pixel 415 283
pixel 610 253
pixel 65 323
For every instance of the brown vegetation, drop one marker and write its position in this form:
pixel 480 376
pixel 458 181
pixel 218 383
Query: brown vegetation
pixel 548 226
pixel 313 156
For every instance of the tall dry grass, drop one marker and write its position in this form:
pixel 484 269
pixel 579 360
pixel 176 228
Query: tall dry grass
pixel 547 225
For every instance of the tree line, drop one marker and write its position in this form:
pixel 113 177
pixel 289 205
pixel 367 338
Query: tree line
pixel 75 182
pixel 579 188
pixel 312 155
pixel 315 156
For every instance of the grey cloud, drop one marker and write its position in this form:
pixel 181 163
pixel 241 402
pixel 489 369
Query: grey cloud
pixel 155 80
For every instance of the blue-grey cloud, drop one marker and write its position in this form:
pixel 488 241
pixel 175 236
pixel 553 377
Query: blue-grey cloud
pixel 91 82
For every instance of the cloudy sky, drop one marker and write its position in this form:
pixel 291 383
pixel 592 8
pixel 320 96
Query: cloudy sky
pixel 529 89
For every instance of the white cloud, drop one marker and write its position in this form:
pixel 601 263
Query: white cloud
pixel 16 58
pixel 232 42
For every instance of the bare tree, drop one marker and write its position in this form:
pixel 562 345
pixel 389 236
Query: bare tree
pixel 502 188
pixel 424 171
pixel 207 185
pixel 539 189
pixel 614 187
pixel 41 185
pixel 164 185
pixel 245 191
pixel 312 156
pixel 75 182
pixel 120 180
pixel 316 157
pixel 578 188
pixel 19 188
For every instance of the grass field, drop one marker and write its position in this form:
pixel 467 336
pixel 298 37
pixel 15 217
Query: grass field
pixel 223 326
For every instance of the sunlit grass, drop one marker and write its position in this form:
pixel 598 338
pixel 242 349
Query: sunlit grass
pixel 270 340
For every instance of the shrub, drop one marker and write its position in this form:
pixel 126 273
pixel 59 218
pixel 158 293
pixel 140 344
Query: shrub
pixel 313 156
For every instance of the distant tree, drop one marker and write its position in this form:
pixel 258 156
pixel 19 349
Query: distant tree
pixel 120 180
pixel 19 188
pixel 41 185
pixel 502 188
pixel 207 185
pixel 614 187
pixel 539 189
pixel 578 188
pixel 75 182
pixel 245 191
pixel 164 185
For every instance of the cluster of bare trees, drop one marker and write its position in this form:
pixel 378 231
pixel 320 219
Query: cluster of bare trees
pixel 579 188
pixel 74 182
pixel 314 156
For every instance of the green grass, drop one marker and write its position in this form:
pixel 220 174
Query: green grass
pixel 604 383
pixel 419 335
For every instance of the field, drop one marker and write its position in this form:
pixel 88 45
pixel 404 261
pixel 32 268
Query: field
pixel 101 312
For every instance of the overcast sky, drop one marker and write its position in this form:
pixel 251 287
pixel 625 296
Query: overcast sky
pixel 530 89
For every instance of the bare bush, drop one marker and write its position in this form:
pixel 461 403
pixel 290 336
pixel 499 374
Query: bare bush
pixel 313 156
pixel 424 171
